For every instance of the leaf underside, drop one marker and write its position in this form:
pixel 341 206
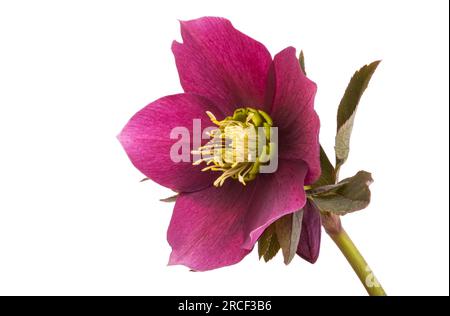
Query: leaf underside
pixel 288 230
pixel 349 195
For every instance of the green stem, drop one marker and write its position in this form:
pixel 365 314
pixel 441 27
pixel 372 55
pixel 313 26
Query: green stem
pixel 357 262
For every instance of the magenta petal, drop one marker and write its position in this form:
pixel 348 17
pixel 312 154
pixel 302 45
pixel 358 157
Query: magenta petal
pixel 276 195
pixel 146 139
pixel 309 244
pixel 216 227
pixel 217 61
pixel 207 227
pixel 293 113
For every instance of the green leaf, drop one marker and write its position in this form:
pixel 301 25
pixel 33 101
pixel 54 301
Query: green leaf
pixel 274 247
pixel 349 195
pixel 347 110
pixel 323 189
pixel 268 245
pixel 301 59
pixel 327 175
pixel 265 240
pixel 288 229
pixel 169 199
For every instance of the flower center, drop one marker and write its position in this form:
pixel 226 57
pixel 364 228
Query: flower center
pixel 239 145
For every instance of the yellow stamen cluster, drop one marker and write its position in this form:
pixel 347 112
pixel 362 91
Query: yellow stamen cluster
pixel 236 147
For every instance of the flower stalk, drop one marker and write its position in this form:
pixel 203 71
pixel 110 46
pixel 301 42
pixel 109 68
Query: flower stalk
pixel 340 237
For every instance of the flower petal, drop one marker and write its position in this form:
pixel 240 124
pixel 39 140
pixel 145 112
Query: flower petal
pixel 309 244
pixel 217 61
pixel 293 113
pixel 276 195
pixel 207 227
pixel 216 227
pixel 147 140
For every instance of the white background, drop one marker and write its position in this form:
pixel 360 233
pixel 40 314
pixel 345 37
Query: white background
pixel 74 218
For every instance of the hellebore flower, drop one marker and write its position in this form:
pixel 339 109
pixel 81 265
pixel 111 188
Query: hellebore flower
pixel 231 82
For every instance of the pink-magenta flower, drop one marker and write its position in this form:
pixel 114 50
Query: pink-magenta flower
pixel 222 70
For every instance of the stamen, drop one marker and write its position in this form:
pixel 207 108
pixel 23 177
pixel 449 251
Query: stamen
pixel 233 148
